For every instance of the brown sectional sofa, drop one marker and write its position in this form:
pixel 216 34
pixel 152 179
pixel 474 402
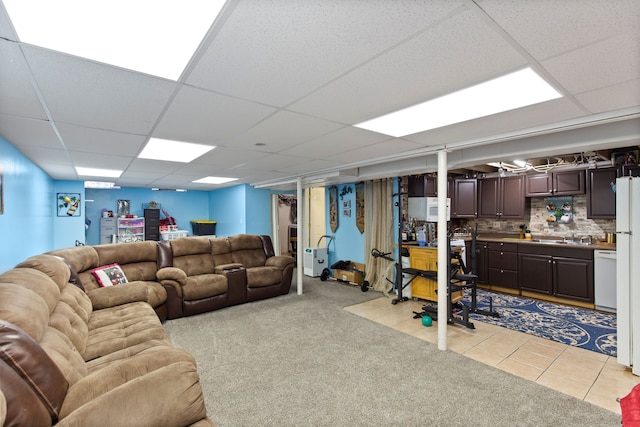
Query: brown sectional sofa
pixel 74 353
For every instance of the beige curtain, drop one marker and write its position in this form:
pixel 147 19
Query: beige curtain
pixel 378 232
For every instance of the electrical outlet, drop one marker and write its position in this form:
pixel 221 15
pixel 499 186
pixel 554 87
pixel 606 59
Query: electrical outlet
pixel 496 224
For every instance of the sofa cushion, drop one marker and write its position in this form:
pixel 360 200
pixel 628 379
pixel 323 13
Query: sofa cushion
pixel 248 250
pixel 24 308
pixel 204 286
pixel 122 326
pixel 83 259
pixel 263 276
pixel 192 255
pixel 59 272
pixel 20 352
pixel 221 251
pixel 109 275
pixel 138 260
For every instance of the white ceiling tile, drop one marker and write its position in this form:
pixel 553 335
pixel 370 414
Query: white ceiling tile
pixel 380 150
pixel 22 131
pixel 606 63
pixel 437 62
pixel 283 130
pixel 42 154
pixel 545 28
pixel 147 165
pixel 100 141
pixel 201 116
pixel 616 97
pixel 58 171
pixel 308 44
pixel 90 160
pixel 17 96
pixel 91 94
pixel 344 139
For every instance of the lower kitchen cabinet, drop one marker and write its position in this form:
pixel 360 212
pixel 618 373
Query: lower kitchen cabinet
pixel 559 272
pixel 502 265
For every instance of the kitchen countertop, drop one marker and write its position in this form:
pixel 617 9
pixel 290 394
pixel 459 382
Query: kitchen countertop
pixel 541 241
pixel 553 241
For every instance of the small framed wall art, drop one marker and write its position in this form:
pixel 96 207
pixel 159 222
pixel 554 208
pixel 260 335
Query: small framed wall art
pixel 68 204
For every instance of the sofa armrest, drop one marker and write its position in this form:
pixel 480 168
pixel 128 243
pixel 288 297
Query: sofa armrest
pixel 279 261
pixel 124 293
pixel 172 273
pixel 222 268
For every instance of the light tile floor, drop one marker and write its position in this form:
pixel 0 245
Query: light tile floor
pixel 584 374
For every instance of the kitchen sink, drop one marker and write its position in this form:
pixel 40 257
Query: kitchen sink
pixel 562 242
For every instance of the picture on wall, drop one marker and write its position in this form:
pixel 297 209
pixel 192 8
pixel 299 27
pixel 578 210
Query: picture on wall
pixel 68 204
pixel 560 209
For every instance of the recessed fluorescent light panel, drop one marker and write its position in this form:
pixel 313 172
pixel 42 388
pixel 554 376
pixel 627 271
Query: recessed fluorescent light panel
pixel 101 184
pixel 505 93
pixel 150 36
pixel 103 173
pixel 214 180
pixel 173 151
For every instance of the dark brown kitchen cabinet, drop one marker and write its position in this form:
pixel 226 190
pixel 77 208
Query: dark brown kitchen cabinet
pixel 502 264
pixel 630 170
pixel 482 253
pixel 502 198
pixel 423 186
pixel 601 200
pixel 464 203
pixel 565 183
pixel 559 272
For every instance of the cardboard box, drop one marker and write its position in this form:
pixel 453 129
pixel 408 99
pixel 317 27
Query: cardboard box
pixel 350 275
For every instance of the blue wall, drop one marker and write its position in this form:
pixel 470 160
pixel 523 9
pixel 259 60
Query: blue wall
pixel 183 206
pixel 348 243
pixel 29 206
pixel 227 208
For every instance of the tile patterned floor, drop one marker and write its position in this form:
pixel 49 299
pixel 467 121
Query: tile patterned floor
pixel 584 374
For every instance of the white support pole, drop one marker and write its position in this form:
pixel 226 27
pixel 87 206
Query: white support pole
pixel 443 254
pixel 301 233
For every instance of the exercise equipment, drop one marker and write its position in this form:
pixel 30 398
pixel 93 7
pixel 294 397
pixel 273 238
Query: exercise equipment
pixel 347 266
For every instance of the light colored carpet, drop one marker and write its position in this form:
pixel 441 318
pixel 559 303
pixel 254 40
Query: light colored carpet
pixel 304 361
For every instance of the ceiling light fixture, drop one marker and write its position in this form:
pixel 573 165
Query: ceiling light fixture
pixel 102 185
pixel 95 172
pixel 115 32
pixel 214 180
pixel 515 90
pixel 173 151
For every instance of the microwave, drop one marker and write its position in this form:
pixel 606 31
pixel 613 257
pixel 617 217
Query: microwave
pixel 432 209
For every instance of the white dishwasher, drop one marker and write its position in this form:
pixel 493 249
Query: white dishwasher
pixel 604 280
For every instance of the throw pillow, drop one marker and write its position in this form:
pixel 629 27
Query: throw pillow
pixel 109 275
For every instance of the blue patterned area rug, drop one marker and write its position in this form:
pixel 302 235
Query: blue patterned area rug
pixel 579 327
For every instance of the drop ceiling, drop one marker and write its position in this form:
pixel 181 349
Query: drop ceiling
pixel 278 85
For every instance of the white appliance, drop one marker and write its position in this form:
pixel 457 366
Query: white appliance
pixel 628 271
pixel 432 209
pixel 604 272
pixel 315 260
pixel 417 208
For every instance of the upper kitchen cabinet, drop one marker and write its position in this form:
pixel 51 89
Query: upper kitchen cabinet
pixel 423 186
pixel 464 203
pixel 601 200
pixel 567 183
pixel 502 198
pixel 630 170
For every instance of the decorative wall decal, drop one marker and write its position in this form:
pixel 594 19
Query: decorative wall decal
pixel 68 204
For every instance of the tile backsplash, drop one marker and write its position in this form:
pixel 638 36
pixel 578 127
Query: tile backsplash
pixel 580 226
